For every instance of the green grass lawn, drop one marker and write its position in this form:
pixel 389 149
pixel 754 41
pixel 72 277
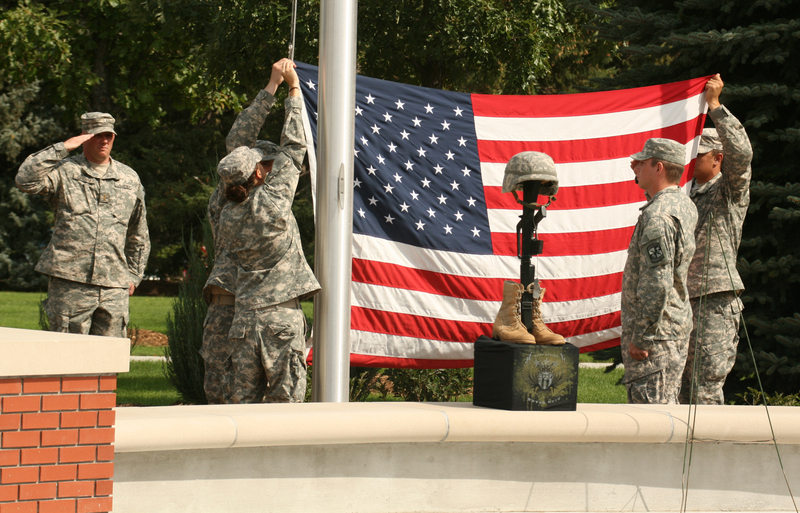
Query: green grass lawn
pixel 146 384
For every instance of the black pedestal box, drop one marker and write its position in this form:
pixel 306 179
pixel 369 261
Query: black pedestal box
pixel 524 376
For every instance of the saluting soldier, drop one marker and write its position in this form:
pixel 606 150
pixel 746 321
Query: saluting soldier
pixel 100 244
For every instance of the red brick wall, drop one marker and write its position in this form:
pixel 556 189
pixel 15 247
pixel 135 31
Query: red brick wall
pixel 56 444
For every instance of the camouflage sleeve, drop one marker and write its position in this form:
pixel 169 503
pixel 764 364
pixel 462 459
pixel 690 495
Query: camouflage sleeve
pixel 293 138
pixel 38 174
pixel 137 240
pixel 736 170
pixel 215 204
pixel 657 252
pixel 245 129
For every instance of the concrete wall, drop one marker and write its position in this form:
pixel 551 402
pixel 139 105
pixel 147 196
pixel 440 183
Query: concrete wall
pixel 408 457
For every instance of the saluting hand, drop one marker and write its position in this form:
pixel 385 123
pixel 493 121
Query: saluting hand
pixel 77 141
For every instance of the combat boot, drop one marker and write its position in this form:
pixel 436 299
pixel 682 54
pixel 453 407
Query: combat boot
pixel 543 334
pixel 508 325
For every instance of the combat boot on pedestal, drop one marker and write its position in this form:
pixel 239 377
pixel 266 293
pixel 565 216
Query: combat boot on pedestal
pixel 543 334
pixel 508 325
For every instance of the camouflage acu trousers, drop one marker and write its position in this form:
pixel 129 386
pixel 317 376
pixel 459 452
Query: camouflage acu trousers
pixel 716 335
pixel 74 307
pixel 216 352
pixel 268 363
pixel 657 378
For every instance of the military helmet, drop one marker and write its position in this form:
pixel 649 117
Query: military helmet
pixel 531 166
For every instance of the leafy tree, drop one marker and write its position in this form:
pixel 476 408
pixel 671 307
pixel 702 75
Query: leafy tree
pixel 754 46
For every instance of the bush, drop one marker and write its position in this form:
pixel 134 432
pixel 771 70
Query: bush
pixel 185 368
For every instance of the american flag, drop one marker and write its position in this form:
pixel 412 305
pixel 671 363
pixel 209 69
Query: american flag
pixel 434 238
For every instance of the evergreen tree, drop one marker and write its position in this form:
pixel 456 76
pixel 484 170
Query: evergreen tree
pixel 754 45
pixel 27 220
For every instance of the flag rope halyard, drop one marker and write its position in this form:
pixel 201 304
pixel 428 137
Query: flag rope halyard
pixel 294 29
pixel 695 374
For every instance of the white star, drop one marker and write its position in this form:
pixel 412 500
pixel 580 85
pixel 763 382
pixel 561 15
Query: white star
pixel 361 212
pixel 466 171
pixel 458 111
pixel 392 147
pixel 399 104
pixel 458 215
pixel 398 178
pixel 359 110
pixel 450 155
pixel 471 201
pixel 370 98
pixel 375 129
pixel 420 225
pixel 421 152
pixel 476 232
pixel 416 121
pixel 389 219
pixel 445 125
pixel 431 213
pixel 438 169
pixel 316 115
pixel 462 142
pixel 442 199
pixel 355 152
pixel 404 134
pixel 381 159
pixel 357 183
pixel 388 188
pixel 373 201
pixel 364 141
pixel 455 185
pixel 311 85
pixel 414 195
pixel 447 229
pixel 428 109
pixel 409 165
pixel 387 117
pixel 426 182
pixel 371 170
pixel 434 139
pixel 404 207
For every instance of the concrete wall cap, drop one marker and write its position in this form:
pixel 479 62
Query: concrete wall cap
pixel 263 425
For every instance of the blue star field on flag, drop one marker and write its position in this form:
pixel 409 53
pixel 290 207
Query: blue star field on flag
pixel 416 177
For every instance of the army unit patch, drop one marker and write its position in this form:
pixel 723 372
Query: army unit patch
pixel 655 252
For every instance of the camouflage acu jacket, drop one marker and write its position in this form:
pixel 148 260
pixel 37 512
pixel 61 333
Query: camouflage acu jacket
pixel 100 235
pixel 655 296
pixel 727 195
pixel 261 233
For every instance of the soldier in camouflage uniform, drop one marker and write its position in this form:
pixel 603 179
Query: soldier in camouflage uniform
pixel 263 241
pixel 721 186
pixel 219 291
pixel 656 315
pixel 100 243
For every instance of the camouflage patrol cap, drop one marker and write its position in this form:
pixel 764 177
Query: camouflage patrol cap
pixel 237 166
pixel 97 123
pixel 709 141
pixel 531 166
pixel 270 149
pixel 662 149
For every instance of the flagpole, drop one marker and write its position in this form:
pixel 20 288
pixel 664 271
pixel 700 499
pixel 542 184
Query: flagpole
pixel 334 230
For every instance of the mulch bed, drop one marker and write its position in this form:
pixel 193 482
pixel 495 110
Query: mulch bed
pixel 148 338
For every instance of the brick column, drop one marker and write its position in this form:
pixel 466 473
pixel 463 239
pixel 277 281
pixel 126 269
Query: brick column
pixel 57 433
